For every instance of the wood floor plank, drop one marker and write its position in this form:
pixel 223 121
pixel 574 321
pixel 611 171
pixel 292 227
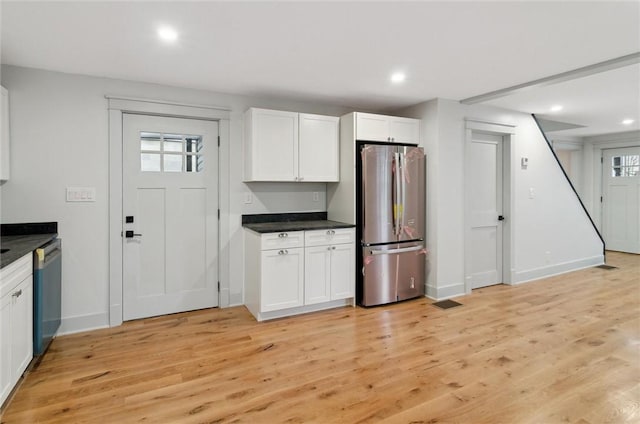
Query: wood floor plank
pixel 562 349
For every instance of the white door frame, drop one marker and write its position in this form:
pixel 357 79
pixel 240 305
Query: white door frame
pixel 507 132
pixel 117 106
pixel 606 168
pixel 593 183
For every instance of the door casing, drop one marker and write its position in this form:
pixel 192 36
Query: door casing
pixel 117 106
pixel 507 132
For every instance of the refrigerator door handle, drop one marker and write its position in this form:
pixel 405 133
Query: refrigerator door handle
pixel 396 251
pixel 403 190
pixel 396 198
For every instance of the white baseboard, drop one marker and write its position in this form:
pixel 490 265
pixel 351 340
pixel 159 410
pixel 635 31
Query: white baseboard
pixel 80 323
pixel 556 269
pixel 303 309
pixel 445 291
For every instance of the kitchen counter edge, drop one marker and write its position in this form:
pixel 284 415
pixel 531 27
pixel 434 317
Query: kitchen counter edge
pixel 277 227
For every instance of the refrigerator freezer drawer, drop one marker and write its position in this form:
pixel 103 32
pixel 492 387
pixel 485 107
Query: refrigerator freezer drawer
pixel 392 272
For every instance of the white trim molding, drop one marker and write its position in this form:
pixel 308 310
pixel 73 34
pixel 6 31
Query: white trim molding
pixel 445 292
pixel 117 106
pixel 507 132
pixel 557 269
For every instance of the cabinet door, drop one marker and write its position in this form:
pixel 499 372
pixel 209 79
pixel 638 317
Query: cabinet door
pixel 272 145
pixel 318 154
pixel 404 130
pixel 5 347
pixel 317 274
pixel 282 279
pixel 342 271
pixel 4 136
pixel 22 327
pixel 372 127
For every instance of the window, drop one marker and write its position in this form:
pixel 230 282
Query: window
pixel 625 166
pixel 170 152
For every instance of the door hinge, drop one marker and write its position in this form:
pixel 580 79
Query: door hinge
pixel 600 199
pixel 601 159
pixel 218 214
pixel 218 141
pixel 218 286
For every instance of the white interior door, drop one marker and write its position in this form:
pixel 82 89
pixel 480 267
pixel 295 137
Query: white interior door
pixel 621 199
pixel 485 202
pixel 170 192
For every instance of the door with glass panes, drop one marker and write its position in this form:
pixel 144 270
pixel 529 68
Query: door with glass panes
pixel 621 199
pixel 170 221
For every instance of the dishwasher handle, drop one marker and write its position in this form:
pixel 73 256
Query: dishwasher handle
pixel 47 254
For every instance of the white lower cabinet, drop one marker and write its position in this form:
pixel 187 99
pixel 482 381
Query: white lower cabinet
pixel 16 322
pixel 298 272
pixel 329 273
pixel 281 278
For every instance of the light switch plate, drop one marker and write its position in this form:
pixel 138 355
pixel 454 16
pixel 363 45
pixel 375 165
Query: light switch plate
pixel 81 194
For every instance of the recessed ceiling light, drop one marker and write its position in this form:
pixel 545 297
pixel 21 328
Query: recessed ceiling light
pixel 556 108
pixel 167 34
pixel 628 121
pixel 398 77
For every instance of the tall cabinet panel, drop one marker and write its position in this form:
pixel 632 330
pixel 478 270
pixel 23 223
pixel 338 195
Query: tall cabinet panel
pixel 5 165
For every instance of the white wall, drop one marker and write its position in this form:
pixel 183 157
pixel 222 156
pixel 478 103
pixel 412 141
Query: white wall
pixel 59 129
pixel 551 233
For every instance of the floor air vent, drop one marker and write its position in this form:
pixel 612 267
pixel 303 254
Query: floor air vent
pixel 446 304
pixel 607 267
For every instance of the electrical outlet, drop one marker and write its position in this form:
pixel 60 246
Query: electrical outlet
pixel 81 194
pixel 532 193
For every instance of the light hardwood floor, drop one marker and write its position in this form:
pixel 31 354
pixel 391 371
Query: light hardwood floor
pixel 563 349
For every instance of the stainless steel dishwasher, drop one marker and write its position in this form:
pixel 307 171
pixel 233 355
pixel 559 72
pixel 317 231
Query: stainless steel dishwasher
pixel 47 296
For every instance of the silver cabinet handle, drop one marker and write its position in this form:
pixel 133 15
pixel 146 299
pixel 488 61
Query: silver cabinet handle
pixel 329 248
pixel 17 294
pixel 333 248
pixel 333 232
pixel 283 235
pixel 283 252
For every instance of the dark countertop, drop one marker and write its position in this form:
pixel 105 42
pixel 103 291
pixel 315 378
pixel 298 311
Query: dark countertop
pixel 276 227
pixel 21 245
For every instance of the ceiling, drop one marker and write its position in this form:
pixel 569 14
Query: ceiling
pixel 597 103
pixel 335 52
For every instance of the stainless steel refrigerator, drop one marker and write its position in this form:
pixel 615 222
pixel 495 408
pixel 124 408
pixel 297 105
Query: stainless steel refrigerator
pixel 391 215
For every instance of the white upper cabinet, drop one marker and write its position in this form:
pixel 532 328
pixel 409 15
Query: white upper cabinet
pixel 5 165
pixel 290 146
pixel 271 145
pixel 394 129
pixel 318 154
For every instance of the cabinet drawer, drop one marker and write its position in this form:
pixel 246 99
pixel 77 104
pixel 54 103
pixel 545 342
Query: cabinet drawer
pixel 13 274
pixel 281 240
pixel 324 237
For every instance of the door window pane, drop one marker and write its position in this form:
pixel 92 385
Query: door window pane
pixel 150 162
pixel 172 163
pixel 160 152
pixel 625 166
